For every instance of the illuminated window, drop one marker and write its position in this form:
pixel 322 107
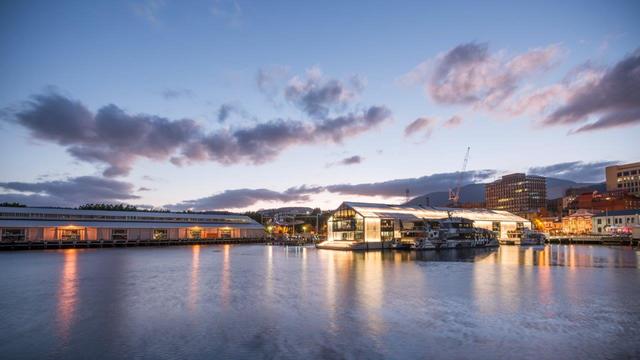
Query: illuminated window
pixel 160 234
pixel 69 234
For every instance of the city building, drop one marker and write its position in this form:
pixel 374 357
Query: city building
pixel 578 223
pixel 375 225
pixel 517 193
pixel 624 177
pixel 616 221
pixel 551 225
pixel 606 201
pixel 45 224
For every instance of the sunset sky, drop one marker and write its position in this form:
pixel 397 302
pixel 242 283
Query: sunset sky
pixel 246 105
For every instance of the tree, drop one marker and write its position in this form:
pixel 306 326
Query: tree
pixel 12 204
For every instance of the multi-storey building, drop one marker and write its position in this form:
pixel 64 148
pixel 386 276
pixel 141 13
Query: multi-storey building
pixel 517 193
pixel 613 221
pixel 624 177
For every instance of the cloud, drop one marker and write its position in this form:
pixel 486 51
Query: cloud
pixel 612 120
pixel 227 110
pixel 614 96
pixel 356 159
pixel 351 160
pixel 70 192
pixel 578 171
pixel 453 121
pixel 318 96
pixel 242 198
pixel 422 124
pixel 421 185
pixel 171 94
pixel 270 81
pixel 263 142
pixel 469 74
pixel 110 136
pixel 115 138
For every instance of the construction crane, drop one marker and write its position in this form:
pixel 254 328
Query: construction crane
pixel 454 195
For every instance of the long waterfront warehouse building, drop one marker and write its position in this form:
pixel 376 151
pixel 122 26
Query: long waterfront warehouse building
pixel 373 225
pixel 49 224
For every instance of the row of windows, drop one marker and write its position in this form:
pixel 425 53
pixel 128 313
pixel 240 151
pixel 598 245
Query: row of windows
pixel 19 234
pixel 629 220
pixel 40 216
pixel 627 173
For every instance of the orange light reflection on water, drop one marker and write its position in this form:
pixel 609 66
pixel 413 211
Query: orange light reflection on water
pixel 195 276
pixel 226 275
pixel 67 293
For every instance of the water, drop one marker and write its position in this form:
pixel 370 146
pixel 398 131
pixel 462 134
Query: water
pixel 257 301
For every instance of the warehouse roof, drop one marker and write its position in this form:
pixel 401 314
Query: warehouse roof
pixel 121 224
pixel 405 212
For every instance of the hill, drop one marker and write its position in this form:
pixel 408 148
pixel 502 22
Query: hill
pixel 475 192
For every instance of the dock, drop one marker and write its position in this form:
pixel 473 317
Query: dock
pixel 593 240
pixel 84 244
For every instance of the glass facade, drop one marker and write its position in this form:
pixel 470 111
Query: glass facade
pixel 386 229
pixel 347 225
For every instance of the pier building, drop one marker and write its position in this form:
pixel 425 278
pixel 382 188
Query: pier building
pixel 356 225
pixel 23 224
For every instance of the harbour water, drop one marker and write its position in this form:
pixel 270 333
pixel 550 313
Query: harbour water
pixel 255 301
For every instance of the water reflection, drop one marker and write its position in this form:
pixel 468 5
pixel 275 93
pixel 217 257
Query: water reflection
pixel 226 275
pixel 67 293
pixel 370 290
pixel 195 275
pixel 557 255
pixel 262 301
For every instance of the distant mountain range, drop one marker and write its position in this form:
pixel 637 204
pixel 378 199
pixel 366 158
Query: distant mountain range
pixel 475 192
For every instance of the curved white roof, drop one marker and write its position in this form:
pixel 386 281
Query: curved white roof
pixel 404 211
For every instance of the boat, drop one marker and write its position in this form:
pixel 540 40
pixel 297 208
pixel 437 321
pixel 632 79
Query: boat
pixel 532 237
pixel 457 232
pixel 448 233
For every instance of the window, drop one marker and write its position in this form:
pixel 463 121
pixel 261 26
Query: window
pixel 196 233
pixel 13 235
pixel 119 234
pixel 599 221
pixel 160 234
pixel 225 233
pixel 69 234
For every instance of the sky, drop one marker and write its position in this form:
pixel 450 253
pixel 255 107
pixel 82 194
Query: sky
pixel 243 105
